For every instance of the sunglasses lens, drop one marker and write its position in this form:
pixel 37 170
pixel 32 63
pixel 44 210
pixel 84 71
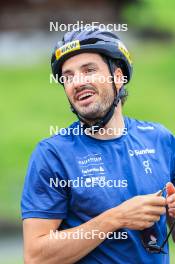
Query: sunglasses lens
pixel 149 236
pixel 155 249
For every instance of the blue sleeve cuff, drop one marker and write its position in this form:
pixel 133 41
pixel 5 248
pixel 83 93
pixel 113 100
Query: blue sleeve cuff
pixel 43 215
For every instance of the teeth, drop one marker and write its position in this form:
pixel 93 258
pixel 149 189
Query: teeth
pixel 84 95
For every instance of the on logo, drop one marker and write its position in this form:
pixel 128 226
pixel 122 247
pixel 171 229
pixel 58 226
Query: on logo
pixel 146 165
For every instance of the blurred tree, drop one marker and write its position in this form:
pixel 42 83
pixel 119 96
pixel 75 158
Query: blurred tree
pixel 153 19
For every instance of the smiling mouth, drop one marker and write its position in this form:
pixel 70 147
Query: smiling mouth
pixel 85 95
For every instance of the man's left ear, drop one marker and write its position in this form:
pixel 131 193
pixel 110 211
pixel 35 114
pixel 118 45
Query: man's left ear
pixel 118 78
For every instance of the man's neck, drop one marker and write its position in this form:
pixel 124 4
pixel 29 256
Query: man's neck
pixel 114 128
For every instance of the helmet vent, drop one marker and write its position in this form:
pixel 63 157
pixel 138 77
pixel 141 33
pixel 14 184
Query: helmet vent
pixel 89 41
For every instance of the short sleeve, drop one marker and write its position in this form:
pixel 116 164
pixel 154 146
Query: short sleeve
pixel 43 196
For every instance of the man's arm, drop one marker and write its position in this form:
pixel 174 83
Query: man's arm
pixel 137 213
pixel 42 245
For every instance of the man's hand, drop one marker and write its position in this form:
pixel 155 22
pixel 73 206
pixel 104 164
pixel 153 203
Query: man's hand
pixel 141 211
pixel 137 213
pixel 170 189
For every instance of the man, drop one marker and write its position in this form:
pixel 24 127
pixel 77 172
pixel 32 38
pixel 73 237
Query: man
pixel 120 165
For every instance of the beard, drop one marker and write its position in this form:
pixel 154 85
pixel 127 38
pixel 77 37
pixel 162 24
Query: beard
pixel 96 110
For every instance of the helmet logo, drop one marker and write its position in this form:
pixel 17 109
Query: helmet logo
pixel 69 47
pixel 125 52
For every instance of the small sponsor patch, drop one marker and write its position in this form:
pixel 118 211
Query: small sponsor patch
pixel 124 50
pixel 145 127
pixel 69 47
pixel 137 152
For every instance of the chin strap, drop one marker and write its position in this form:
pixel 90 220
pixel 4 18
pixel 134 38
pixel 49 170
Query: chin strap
pixel 106 118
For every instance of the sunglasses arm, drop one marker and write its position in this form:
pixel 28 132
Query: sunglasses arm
pixel 170 231
pixel 170 221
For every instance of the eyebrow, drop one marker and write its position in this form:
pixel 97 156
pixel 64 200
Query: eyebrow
pixel 82 66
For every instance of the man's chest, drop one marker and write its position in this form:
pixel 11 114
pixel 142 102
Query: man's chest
pixel 104 177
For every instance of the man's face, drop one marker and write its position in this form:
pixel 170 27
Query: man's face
pixel 90 96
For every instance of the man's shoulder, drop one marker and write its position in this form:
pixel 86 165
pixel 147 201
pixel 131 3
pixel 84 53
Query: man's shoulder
pixel 62 138
pixel 149 127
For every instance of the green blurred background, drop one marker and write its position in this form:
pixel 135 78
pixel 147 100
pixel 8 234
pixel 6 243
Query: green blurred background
pixel 30 104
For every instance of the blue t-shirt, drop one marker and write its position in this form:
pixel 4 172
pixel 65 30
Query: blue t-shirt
pixel 107 173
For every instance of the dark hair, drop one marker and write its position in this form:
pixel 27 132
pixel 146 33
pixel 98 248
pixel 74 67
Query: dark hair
pixel 117 64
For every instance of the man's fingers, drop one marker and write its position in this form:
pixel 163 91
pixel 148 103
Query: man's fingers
pixel 171 198
pixel 159 193
pixel 152 218
pixel 149 224
pixel 152 199
pixel 171 205
pixel 157 210
pixel 171 212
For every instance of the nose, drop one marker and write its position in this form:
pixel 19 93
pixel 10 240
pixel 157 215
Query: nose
pixel 79 80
